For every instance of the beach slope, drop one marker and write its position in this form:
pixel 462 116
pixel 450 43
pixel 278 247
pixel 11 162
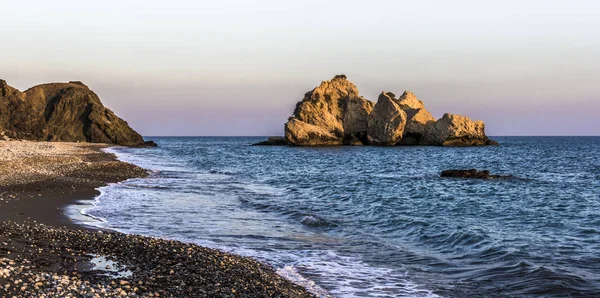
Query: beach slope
pixel 43 254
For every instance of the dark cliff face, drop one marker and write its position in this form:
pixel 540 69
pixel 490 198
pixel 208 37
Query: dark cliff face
pixel 67 112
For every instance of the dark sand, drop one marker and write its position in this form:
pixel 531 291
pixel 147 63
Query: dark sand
pixel 44 254
pixel 46 207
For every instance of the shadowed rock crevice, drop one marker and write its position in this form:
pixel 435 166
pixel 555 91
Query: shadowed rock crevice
pixel 62 112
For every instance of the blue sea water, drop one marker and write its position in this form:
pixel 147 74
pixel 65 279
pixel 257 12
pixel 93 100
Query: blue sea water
pixel 375 221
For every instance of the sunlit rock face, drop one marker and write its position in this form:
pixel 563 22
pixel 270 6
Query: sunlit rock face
pixel 335 114
pixel 455 130
pixel 331 114
pixel 386 121
pixel 418 119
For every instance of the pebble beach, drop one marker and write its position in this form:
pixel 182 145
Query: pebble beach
pixel 44 254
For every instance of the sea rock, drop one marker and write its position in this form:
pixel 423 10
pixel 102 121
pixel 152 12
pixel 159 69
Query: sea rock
pixel 335 114
pixel 62 112
pixel 300 133
pixel 418 119
pixel 273 141
pixel 386 121
pixel 331 114
pixel 355 120
pixel 472 173
pixel 311 220
pixel 150 144
pixel 454 131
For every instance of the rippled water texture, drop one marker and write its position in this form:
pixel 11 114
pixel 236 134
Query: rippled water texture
pixel 379 222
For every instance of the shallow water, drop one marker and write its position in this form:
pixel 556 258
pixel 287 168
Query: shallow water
pixel 379 222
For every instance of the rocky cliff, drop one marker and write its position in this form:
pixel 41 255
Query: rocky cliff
pixel 61 112
pixel 335 114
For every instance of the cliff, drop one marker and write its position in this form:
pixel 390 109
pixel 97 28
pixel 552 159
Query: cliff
pixel 69 112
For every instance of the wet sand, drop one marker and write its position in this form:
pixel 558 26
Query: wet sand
pixel 46 207
pixel 44 254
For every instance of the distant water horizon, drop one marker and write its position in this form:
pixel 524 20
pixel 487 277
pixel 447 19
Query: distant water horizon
pixel 378 221
pixel 149 137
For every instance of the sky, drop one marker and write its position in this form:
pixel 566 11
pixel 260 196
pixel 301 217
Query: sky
pixel 236 67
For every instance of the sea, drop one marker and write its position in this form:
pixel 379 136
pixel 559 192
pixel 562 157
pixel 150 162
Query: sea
pixel 377 221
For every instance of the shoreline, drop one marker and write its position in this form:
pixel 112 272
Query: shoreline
pixel 47 181
pixel 43 251
pixel 49 207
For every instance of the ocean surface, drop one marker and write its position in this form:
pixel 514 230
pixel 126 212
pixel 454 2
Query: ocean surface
pixel 374 221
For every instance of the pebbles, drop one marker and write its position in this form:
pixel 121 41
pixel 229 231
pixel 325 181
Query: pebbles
pixel 55 262
pixel 42 166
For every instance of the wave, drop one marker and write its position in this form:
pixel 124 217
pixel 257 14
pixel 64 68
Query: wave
pixel 290 273
pixel 524 278
pixel 269 206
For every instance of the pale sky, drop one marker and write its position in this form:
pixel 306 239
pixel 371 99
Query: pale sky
pixel 238 67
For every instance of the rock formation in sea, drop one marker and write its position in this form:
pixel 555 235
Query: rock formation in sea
pixel 472 173
pixel 68 112
pixel 331 114
pixel 335 114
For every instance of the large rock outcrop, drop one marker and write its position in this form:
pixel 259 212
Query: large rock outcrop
pixel 331 114
pixel 386 121
pixel 62 112
pixel 335 114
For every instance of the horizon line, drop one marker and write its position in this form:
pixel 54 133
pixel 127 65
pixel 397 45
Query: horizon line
pixel 266 136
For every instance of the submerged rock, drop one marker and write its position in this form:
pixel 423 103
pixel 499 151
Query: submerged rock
pixel 335 114
pixel 68 112
pixel 273 141
pixel 311 220
pixel 472 173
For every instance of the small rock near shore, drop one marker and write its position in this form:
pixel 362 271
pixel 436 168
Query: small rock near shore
pixel 150 144
pixel 472 173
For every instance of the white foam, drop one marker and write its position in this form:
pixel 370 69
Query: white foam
pixel 337 275
pixel 109 268
pixel 351 277
pixel 289 272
